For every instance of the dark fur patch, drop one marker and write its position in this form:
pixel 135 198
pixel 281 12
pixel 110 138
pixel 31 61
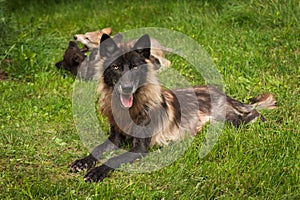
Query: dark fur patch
pixel 72 58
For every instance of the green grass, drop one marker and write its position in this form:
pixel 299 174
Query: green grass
pixel 255 46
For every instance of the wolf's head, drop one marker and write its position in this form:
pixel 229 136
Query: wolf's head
pixel 73 57
pixel 91 39
pixel 126 68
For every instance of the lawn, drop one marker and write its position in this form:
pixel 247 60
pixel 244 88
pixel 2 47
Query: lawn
pixel 255 46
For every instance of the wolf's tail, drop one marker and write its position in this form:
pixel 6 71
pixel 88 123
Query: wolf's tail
pixel 264 101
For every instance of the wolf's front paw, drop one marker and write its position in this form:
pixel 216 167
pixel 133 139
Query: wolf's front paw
pixel 83 164
pixel 97 174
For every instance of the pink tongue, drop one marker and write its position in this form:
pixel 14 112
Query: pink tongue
pixel 126 100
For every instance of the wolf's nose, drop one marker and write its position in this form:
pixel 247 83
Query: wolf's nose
pixel 127 89
pixel 75 37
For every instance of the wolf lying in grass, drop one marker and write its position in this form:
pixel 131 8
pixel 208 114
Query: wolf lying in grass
pixel 140 110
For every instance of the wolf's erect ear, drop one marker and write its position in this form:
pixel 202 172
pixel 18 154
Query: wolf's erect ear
pixel 142 46
pixel 107 46
pixel 107 30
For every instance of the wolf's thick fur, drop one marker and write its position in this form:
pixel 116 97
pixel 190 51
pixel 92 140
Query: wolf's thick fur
pixel 139 109
pixel 72 58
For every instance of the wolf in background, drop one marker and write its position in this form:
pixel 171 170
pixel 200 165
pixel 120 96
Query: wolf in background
pixel 91 40
pixel 141 111
pixel 72 59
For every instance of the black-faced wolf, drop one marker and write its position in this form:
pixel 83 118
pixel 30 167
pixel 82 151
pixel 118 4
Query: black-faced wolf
pixel 141 111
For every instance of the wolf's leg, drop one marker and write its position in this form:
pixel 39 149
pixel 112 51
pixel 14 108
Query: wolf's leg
pixel 139 149
pixel 88 162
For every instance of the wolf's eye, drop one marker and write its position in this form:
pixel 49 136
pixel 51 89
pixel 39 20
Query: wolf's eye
pixel 87 38
pixel 115 67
